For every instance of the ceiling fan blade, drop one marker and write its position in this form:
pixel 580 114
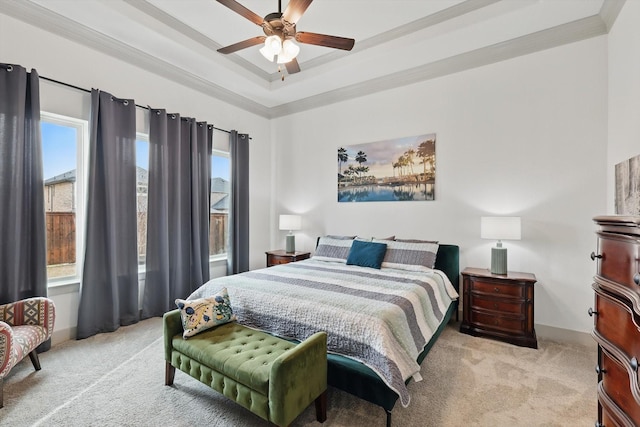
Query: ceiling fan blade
pixel 242 45
pixel 292 66
pixel 294 10
pixel 325 40
pixel 241 10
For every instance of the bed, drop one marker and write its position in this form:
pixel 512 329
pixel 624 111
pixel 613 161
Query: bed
pixel 371 357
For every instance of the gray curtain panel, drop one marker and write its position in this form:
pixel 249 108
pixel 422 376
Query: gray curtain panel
pixel 238 256
pixel 23 249
pixel 109 289
pixel 178 210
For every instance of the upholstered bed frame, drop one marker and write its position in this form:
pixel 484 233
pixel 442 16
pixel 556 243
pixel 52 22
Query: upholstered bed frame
pixel 361 381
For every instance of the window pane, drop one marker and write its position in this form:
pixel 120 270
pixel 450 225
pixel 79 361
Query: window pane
pixel 142 183
pixel 218 220
pixel 59 152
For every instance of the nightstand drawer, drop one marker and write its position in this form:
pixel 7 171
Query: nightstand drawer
pixel 498 305
pixel 497 289
pixel 281 257
pixel 275 260
pixel 491 321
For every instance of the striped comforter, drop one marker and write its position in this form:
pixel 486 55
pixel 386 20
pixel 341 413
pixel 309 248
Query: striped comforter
pixel 382 318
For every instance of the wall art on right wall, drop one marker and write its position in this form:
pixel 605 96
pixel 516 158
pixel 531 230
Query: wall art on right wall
pixel 628 187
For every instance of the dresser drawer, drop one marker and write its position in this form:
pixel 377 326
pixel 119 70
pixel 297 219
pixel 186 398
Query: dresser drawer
pixel 496 304
pixel 620 259
pixel 487 287
pixel 616 385
pixel 499 323
pixel 615 326
pixel 612 415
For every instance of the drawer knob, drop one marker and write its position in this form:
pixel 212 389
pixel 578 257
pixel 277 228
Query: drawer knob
pixel 634 364
pixel 636 278
pixel 599 370
pixel 592 312
pixel 497 290
pixel 594 256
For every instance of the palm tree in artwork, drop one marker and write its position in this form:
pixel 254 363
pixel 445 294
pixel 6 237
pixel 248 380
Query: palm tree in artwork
pixel 361 158
pixel 426 152
pixel 409 156
pixel 343 157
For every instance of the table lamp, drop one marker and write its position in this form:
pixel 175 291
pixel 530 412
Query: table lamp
pixel 500 228
pixel 290 222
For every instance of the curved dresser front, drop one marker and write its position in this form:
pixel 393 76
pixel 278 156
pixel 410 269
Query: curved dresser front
pixel 617 320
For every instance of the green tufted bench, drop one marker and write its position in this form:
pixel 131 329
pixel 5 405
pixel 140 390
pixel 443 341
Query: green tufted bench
pixel 272 377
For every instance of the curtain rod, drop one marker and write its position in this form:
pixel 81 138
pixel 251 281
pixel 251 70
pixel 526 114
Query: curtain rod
pixel 88 91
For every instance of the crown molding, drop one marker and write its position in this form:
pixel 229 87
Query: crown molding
pixel 610 10
pixel 581 29
pixel 52 22
pixel 195 35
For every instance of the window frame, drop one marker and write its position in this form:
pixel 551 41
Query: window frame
pixel 219 153
pixel 82 161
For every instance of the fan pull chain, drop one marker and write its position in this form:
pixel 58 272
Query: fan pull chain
pixel 280 71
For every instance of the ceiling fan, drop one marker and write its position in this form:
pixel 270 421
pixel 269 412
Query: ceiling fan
pixel 280 31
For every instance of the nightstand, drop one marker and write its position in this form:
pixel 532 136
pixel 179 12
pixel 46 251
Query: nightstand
pixel 499 306
pixel 282 257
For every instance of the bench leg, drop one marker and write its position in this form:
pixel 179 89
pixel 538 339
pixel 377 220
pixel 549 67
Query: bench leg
pixel 169 373
pixel 321 407
pixel 34 360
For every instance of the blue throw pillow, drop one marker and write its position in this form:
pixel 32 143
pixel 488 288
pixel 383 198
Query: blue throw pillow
pixel 366 254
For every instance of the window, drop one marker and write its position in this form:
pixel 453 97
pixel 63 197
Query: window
pixel 142 185
pixel 63 142
pixel 219 202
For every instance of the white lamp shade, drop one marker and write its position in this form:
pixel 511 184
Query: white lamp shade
pixel 290 222
pixel 289 51
pixel 500 227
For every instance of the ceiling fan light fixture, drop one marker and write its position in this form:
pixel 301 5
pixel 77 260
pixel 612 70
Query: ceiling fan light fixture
pixel 290 49
pixel 266 53
pixel 272 46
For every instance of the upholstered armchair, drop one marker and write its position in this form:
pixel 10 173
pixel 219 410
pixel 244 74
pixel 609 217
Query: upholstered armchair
pixel 24 325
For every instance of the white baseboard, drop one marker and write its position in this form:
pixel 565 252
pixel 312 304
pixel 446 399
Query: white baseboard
pixel 564 335
pixel 64 335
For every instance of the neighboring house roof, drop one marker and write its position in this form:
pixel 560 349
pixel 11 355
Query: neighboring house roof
pixel 219 185
pixel 65 177
pixel 219 195
pixel 142 175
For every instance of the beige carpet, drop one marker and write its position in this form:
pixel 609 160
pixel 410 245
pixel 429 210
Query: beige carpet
pixel 117 379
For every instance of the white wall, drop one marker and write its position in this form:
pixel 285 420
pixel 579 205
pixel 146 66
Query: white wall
pixel 66 61
pixel 624 93
pixel 523 137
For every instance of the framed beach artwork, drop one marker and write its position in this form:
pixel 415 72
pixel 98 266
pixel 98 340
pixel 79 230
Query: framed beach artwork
pixel 628 187
pixel 400 169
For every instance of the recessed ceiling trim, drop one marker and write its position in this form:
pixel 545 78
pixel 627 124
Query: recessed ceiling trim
pixel 195 35
pixel 439 17
pixel 610 10
pixel 575 31
pixel 47 20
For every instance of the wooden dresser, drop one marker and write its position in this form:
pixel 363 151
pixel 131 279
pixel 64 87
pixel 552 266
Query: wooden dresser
pixel 499 306
pixel 616 317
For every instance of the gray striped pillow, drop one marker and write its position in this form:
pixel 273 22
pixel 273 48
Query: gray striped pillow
pixel 331 249
pixel 411 256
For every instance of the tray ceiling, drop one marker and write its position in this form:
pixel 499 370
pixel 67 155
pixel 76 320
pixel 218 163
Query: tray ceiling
pixel 398 42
